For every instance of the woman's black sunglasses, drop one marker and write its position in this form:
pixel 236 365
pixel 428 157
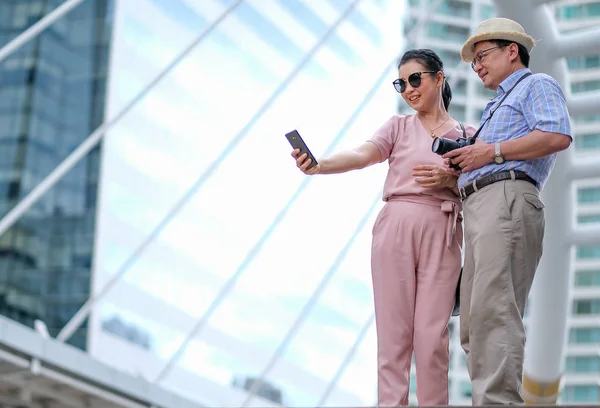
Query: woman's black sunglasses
pixel 414 80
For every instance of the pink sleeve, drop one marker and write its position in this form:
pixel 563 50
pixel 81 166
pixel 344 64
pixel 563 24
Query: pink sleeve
pixel 385 137
pixel 470 130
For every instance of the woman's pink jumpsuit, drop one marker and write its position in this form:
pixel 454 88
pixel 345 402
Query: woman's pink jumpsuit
pixel 416 259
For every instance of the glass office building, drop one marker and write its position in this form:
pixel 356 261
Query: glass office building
pixel 582 363
pixel 52 96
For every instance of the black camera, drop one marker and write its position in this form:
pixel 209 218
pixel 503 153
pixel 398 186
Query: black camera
pixel 442 146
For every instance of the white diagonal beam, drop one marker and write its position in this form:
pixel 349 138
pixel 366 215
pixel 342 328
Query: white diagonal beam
pixel 584 168
pixel 255 249
pixel 38 27
pixel 347 360
pixel 289 336
pixel 585 42
pixel 87 307
pixel 584 235
pixel 583 104
pixel 311 302
pixel 93 139
pixel 542 2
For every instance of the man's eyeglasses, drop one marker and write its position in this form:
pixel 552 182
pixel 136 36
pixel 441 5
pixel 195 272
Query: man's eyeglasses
pixel 414 80
pixel 480 56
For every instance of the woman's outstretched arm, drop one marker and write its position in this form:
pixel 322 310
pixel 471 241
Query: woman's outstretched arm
pixel 360 157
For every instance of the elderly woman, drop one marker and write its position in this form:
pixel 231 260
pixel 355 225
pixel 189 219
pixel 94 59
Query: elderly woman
pixel 417 237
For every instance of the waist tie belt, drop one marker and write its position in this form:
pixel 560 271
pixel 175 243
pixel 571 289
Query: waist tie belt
pixel 453 211
pixel 448 206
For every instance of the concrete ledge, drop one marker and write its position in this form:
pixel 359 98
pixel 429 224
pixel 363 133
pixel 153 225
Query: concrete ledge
pixel 65 365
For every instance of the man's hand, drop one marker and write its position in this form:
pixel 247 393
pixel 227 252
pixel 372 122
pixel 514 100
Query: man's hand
pixel 472 157
pixel 452 169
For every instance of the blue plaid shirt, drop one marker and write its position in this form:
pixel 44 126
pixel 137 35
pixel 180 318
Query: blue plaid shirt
pixel 536 103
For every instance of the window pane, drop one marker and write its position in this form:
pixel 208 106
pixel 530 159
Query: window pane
pixel 583 364
pixel 588 252
pixel 583 142
pixel 581 393
pixel 586 306
pixel 587 278
pixel 584 335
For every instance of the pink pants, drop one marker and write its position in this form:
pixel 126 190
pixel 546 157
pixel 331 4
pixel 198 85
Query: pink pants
pixel 415 262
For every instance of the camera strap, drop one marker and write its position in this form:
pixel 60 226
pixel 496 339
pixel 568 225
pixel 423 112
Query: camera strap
pixel 492 111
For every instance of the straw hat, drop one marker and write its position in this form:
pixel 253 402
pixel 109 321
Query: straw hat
pixel 496 29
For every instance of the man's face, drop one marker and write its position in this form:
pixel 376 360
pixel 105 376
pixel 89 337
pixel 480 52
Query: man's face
pixel 492 63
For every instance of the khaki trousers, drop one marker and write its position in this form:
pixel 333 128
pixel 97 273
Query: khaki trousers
pixel 504 229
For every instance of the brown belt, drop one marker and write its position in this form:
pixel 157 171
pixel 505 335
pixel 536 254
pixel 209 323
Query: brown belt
pixel 491 179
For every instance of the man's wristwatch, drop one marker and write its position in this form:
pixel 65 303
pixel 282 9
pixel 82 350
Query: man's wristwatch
pixel 498 158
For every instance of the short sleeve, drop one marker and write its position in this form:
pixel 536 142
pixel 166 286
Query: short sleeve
pixel 385 137
pixel 545 107
pixel 470 130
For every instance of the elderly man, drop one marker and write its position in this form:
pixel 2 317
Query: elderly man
pixel 522 129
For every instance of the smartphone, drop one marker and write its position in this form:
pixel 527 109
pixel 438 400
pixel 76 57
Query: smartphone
pixel 297 143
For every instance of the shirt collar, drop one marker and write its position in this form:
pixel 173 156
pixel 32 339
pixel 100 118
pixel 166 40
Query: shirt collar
pixel 511 80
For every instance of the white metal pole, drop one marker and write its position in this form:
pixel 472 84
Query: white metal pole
pixel 38 27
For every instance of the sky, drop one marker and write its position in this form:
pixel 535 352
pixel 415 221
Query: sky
pixel 231 224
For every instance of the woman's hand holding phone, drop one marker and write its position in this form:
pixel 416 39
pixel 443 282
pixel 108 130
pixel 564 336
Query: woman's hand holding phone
pixel 302 162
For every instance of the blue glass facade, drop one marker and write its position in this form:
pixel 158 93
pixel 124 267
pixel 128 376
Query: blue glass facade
pixel 52 96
